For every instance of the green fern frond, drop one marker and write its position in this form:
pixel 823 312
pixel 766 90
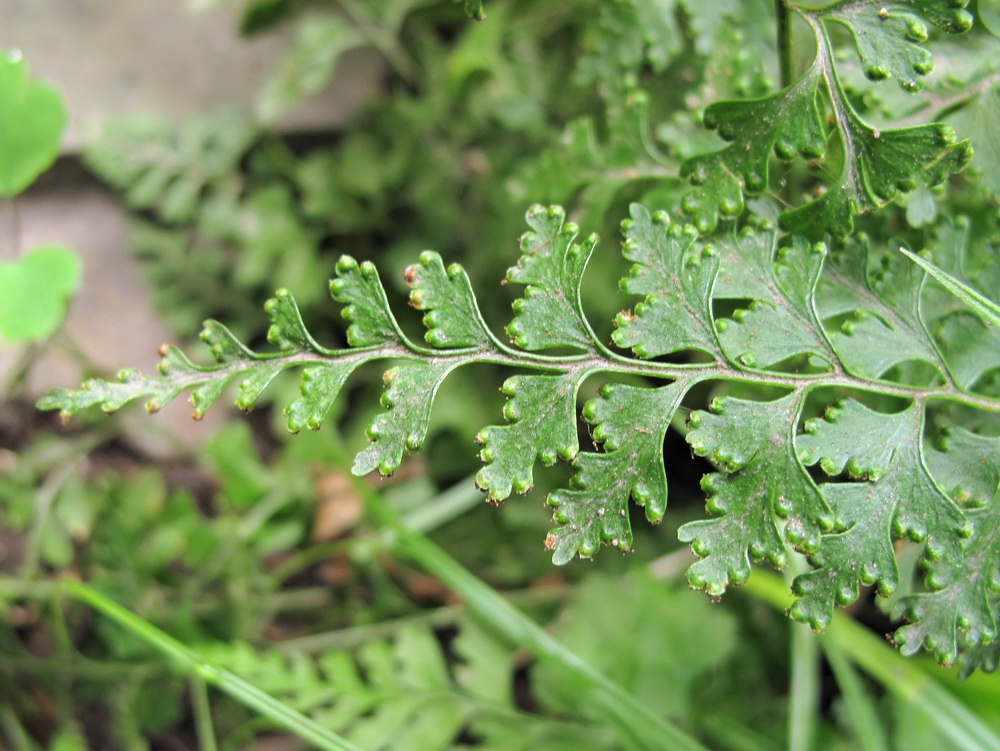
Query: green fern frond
pixel 818 326
pixel 873 165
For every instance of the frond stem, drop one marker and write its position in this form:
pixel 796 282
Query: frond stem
pixel 784 34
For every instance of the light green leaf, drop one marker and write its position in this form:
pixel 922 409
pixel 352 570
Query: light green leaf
pixel 604 624
pixel 319 391
pixel 168 170
pixel 979 121
pixel 32 120
pixel 320 41
pixel 34 292
pixel 474 9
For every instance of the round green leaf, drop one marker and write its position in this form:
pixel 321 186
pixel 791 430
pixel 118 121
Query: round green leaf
pixel 34 290
pixel 32 120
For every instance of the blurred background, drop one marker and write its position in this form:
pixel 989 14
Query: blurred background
pixel 217 150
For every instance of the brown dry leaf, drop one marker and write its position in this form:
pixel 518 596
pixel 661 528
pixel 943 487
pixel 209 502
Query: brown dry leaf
pixel 340 507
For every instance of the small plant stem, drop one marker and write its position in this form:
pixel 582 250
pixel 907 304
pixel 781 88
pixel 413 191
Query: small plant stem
pixel 803 693
pixel 195 666
pixel 384 41
pixel 900 676
pixel 17 736
pixel 804 688
pixel 784 32
pixel 44 499
pixel 859 706
pixel 204 726
pixel 643 727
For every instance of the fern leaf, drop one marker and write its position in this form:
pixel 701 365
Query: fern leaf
pixel 961 613
pixel 782 292
pixel 453 318
pixel 876 165
pixel 762 500
pixel 886 325
pixel 367 309
pixel 551 266
pixel 408 397
pixel 541 415
pixel 675 273
pixel 631 423
pixel 169 171
pixel 901 499
pixel 787 123
pixel 889 36
pixel 752 444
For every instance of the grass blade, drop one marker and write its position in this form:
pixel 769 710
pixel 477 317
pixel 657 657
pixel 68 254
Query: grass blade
pixel 985 307
pixel 898 674
pixel 245 693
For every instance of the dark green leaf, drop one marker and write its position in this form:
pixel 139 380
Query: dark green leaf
pixel 901 500
pixel 551 266
pixel 541 412
pixel 453 318
pixel 631 423
pixel 675 274
pixel 878 165
pixel 886 327
pixel 960 615
pixel 409 396
pixel 780 322
pixel 889 36
pixel 753 444
pixel 359 288
pixel 786 123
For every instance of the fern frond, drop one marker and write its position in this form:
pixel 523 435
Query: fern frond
pixel 818 328
pixel 874 164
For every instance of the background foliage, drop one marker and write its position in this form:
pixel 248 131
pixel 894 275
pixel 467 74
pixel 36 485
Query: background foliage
pixel 259 555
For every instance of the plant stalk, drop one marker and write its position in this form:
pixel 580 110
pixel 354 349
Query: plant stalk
pixel 628 714
pixel 899 675
pixel 199 669
pixel 784 33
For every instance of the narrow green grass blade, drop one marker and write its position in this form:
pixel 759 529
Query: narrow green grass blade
pixel 642 727
pixel 985 307
pixel 245 693
pixel 898 674
pixel 859 706
pixel 803 693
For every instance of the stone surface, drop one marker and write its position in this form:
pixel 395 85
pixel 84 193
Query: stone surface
pixel 113 57
pixel 110 322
